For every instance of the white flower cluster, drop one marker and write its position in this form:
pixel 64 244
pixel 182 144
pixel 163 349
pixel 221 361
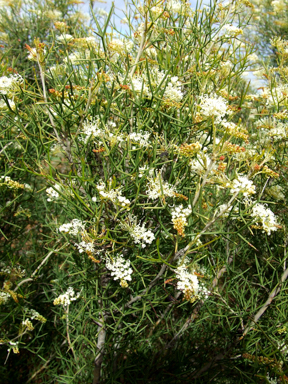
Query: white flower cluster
pixel 28 324
pixel 141 235
pixel 181 213
pixel 85 43
pixel 279 6
pixel 32 315
pixel 85 247
pixel 120 269
pixel 120 46
pixel 75 58
pixel 173 90
pixel 142 138
pixel 201 163
pixel 156 11
pixel 93 130
pixel 65 38
pixel 10 84
pixel 14 346
pixel 187 280
pixel 231 30
pixel 35 315
pixel 277 95
pixel 101 12
pixel 242 185
pixel 52 194
pixel 33 55
pixel 157 187
pixel 15 270
pixel 74 228
pixel 224 210
pixel 213 106
pixel 4 107
pixel 253 57
pixel 6 180
pixel 279 132
pixel 174 6
pixel 4 297
pixel 142 170
pixel 53 14
pixel 265 217
pixel 115 195
pixel 67 297
pixel 276 191
pixel 141 84
pixel 138 85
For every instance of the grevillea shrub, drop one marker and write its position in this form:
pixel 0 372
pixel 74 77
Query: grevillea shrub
pixel 143 196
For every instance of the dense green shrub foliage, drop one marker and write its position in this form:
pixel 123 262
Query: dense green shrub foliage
pixel 143 196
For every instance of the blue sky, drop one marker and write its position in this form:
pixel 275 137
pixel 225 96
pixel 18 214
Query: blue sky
pixel 119 4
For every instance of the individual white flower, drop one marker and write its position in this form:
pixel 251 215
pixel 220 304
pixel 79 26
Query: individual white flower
pixel 80 17
pixel 138 232
pixel 265 217
pixel 28 187
pixel 15 269
pixel 157 187
pixel 74 228
pixel 67 297
pixel 120 269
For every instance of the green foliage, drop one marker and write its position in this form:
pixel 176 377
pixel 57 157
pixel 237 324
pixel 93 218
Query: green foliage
pixel 143 198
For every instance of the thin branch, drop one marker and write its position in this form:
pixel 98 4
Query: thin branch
pixel 261 311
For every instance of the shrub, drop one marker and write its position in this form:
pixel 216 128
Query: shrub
pixel 143 197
